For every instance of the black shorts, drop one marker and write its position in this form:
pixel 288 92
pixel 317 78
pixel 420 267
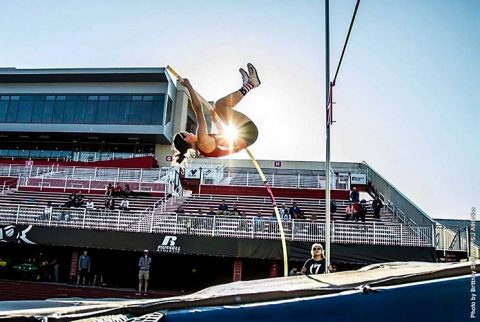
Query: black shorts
pixel 83 272
pixel 249 132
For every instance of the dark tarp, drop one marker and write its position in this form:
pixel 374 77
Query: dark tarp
pixel 212 246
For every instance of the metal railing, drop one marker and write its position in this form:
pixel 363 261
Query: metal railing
pixel 8 184
pixel 95 173
pixel 69 155
pixel 275 180
pixel 103 156
pixel 89 177
pixel 449 240
pixel 378 183
pixel 68 217
pixel 220 226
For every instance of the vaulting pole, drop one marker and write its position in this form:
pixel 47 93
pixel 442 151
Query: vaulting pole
pixel 277 213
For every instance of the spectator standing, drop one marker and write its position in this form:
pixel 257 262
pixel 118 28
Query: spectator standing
pixel 127 192
pixel 125 204
pixel 223 208
pixel 117 190
pixel 83 268
pixel 144 272
pixel 316 264
pixel 109 191
pixel 55 269
pixel 377 205
pixel 354 195
pixel 333 207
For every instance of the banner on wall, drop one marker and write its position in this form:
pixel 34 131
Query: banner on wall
pixel 358 178
pixel 193 173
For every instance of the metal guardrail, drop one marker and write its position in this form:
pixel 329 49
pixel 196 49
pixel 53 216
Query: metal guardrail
pixel 89 177
pixel 220 226
pixel 70 156
pixel 449 240
pixel 7 185
pixel 85 173
pixel 275 180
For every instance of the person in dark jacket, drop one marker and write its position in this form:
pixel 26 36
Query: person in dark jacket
pixel 333 207
pixel 144 271
pixel 377 205
pixel 354 195
pixel 83 268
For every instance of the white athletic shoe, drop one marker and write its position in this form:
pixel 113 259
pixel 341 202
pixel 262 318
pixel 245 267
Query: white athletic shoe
pixel 244 76
pixel 252 75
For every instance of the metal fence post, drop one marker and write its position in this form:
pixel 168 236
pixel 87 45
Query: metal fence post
pixel 401 234
pixel 293 229
pixel 213 225
pixel 176 223
pixel 332 232
pixel 9 170
pixel 418 236
pixel 374 234
pixel 18 213
pixel 50 218
pixel 444 241
pixel 151 221
pixel 84 217
pixel 65 186
pixel 18 181
pixel 253 227
pixel 89 184
pixel 433 236
pixel 118 220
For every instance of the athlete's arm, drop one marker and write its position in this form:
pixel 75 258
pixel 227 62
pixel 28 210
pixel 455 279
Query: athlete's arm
pixel 205 142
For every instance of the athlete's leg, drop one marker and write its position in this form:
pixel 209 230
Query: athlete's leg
pixel 224 105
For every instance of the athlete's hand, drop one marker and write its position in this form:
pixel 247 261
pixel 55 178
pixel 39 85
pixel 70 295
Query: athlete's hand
pixel 185 82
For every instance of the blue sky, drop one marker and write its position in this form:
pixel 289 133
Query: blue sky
pixel 406 96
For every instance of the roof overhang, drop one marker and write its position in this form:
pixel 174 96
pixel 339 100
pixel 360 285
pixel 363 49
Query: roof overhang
pixel 83 75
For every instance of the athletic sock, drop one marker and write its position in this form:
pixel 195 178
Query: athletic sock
pixel 246 88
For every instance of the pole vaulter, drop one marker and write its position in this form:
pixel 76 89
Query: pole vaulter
pixel 236 132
